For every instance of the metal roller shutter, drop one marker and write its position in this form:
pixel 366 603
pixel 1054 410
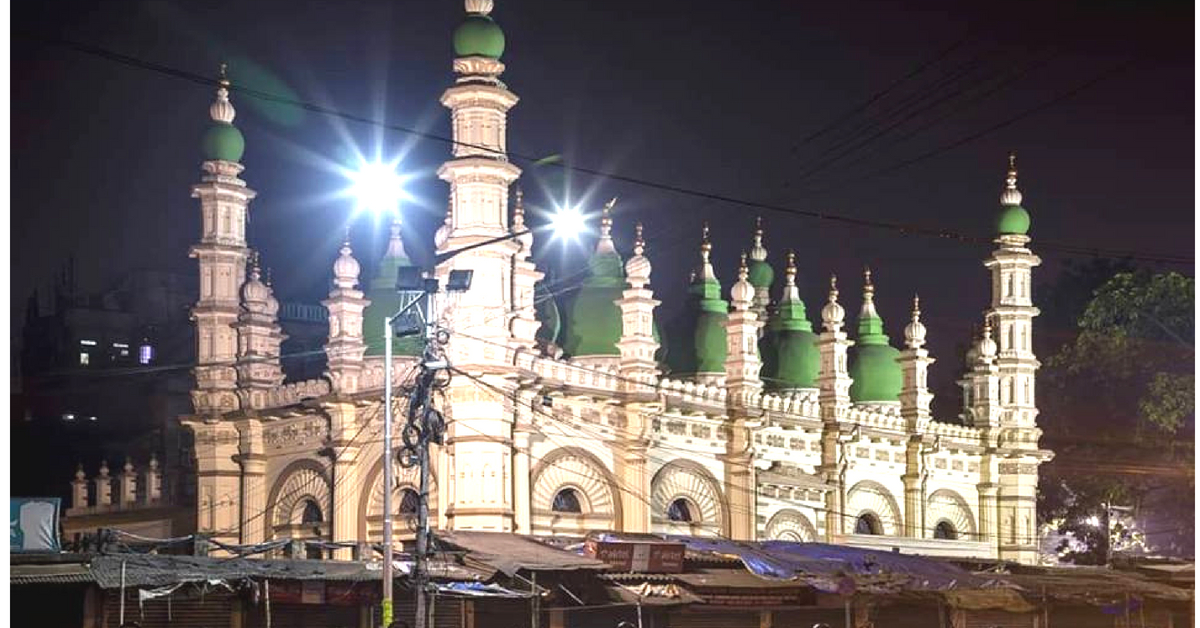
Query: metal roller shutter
pixel 995 619
pixel 706 618
pixel 180 610
pixel 303 616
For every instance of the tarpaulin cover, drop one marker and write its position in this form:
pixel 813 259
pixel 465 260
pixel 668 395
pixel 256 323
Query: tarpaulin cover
pixel 509 553
pixel 479 589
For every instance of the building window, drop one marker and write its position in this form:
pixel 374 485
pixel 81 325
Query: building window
pixel 88 343
pixel 84 358
pixel 681 510
pixel 945 530
pixel 868 524
pixel 567 500
pixel 312 513
pixel 409 502
pixel 145 354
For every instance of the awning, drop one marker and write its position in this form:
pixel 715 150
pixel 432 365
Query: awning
pixel 509 553
pixel 74 573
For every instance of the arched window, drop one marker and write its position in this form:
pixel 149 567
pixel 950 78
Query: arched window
pixel 312 512
pixel 945 530
pixel 567 500
pixel 409 501
pixel 868 524
pixel 681 510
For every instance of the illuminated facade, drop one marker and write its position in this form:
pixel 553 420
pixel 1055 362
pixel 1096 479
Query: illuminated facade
pixel 756 423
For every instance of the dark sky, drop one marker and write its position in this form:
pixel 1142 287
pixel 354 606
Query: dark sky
pixel 715 96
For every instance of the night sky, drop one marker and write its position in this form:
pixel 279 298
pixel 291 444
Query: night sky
pixel 717 97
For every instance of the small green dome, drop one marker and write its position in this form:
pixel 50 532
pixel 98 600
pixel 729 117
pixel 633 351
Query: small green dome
pixel 873 366
pixel 385 301
pixel 224 142
pixel 594 318
pixel 1013 219
pixel 697 342
pixel 480 36
pixel 761 274
pixel 789 350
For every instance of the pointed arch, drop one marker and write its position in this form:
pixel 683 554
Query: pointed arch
pixel 370 502
pixel 300 483
pixel 869 497
pixel 790 525
pixel 688 480
pixel 594 489
pixel 945 505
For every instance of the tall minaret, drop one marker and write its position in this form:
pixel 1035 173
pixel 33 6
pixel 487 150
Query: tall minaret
pixel 744 389
pixel 221 254
pixel 346 346
pixel 479 441
pixel 833 383
pixel 637 345
pixel 1011 315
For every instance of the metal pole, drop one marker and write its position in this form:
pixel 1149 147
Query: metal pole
pixel 423 533
pixel 387 471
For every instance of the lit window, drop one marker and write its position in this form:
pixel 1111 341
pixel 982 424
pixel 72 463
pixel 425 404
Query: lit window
pixel 124 353
pixel 120 345
pixel 84 358
pixel 88 343
pixel 145 354
pixel 68 417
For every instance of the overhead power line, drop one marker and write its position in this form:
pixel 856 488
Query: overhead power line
pixel 902 228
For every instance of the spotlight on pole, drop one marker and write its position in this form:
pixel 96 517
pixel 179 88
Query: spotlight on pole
pixel 377 187
pixel 568 223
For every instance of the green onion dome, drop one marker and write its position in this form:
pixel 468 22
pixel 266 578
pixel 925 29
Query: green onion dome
pixel 789 350
pixel 386 301
pixel 594 318
pixel 479 35
pixel 761 273
pixel 700 345
pixel 224 142
pixel 873 365
pixel 1013 219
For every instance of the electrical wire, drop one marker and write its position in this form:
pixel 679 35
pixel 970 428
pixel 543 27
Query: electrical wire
pixel 844 219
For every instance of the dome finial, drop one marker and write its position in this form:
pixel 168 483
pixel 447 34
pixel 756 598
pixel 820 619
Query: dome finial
pixel 743 270
pixel 833 314
pixel 222 110
pixel 479 7
pixel 639 244
pixel 606 218
pixel 790 271
pixel 914 333
pixel 267 276
pixel 759 252
pixel 742 292
pixel 255 271
pixel 705 244
pixel 1011 195
pixel 986 349
pixel 519 210
pixel 395 247
pixel 637 269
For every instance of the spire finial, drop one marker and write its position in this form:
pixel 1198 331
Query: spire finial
pixel 479 7
pixel 833 291
pixel 606 219
pixel 705 244
pixel 519 205
pixel 833 314
pixel 255 271
pixel 223 79
pixel 267 279
pixel 222 110
pixel 759 252
pixel 1011 195
pixel 790 271
pixel 916 313
pixel 395 247
pixel 639 244
pixel 868 287
pixel 914 333
pixel 743 270
pixel 346 236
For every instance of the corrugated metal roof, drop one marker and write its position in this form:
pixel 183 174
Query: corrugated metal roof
pixel 50 574
pixel 511 552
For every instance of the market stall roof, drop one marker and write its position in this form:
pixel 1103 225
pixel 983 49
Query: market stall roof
pixel 509 553
pixel 50 574
pixel 1093 585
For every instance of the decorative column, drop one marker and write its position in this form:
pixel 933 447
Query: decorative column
pixel 221 254
pixel 915 399
pixel 744 391
pixel 79 490
pixel 127 485
pixel 252 457
pixel 102 486
pixel 259 338
pixel 1012 314
pixel 218 478
pixel 479 439
pixel 343 427
pixel 525 276
pixel 834 398
pixel 345 347
pixel 153 480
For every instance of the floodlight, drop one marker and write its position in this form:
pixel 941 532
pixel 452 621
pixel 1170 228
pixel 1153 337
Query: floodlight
pixel 377 187
pixel 568 223
pixel 459 280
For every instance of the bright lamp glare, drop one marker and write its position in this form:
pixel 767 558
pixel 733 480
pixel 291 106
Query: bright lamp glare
pixel 568 223
pixel 377 187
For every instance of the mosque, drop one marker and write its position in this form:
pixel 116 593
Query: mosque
pixel 747 418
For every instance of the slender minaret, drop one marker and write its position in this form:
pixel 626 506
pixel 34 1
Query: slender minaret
pixel 744 389
pixel 525 324
pixel 345 348
pixel 983 392
pixel 221 254
pixel 914 407
pixel 834 397
pixel 637 345
pixel 259 339
pixel 480 486
pixel 1011 316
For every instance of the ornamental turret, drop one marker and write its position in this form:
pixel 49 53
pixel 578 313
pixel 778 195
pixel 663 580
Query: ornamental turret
pixel 525 324
pixel 345 346
pixel 594 318
pixel 762 276
pixel 698 350
pixel 791 359
pixel 221 254
pixel 915 397
pixel 259 340
pixel 742 363
pixel 638 343
pixel 834 379
pixel 877 377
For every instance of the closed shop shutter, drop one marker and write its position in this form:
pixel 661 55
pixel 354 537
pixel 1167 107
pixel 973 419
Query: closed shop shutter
pixel 447 612
pixel 303 616
pixel 808 617
pixel 705 618
pixel 183 609
pixel 996 619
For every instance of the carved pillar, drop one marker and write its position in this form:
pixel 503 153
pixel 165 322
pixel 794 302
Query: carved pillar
pixel 834 383
pixel 103 486
pixel 153 480
pixel 127 485
pixel 251 455
pixel 744 388
pixel 522 483
pixel 218 480
pixel 914 498
pixel 631 470
pixel 79 490
pixel 343 425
